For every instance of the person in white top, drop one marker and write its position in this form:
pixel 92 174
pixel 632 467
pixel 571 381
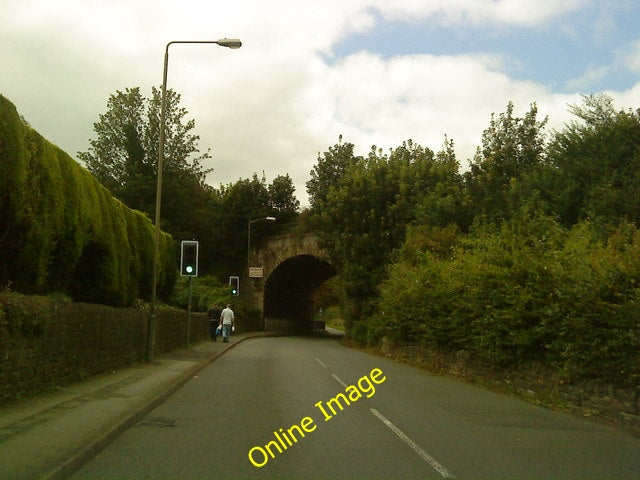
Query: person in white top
pixel 227 320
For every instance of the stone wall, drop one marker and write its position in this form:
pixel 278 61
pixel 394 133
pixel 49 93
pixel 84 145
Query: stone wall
pixel 47 342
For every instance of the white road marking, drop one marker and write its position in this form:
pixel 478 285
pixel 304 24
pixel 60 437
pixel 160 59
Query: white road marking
pixel 441 469
pixel 320 362
pixel 339 380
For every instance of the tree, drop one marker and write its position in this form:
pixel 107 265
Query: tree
pixel 594 165
pixel 512 147
pixel 124 156
pixel 118 154
pixel 234 205
pixel 448 202
pixel 364 216
pixel 327 172
pixel 282 201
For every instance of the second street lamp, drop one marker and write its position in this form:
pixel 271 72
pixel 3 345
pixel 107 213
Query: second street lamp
pixel 269 219
pixel 232 43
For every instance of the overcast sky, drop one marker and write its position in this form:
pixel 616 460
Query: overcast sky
pixel 376 71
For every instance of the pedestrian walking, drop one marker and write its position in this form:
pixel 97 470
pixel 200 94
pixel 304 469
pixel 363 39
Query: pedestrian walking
pixel 214 321
pixel 228 321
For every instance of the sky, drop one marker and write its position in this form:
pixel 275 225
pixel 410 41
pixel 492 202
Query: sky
pixel 377 72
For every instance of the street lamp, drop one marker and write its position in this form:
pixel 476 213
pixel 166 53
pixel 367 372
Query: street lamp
pixel 232 43
pixel 269 219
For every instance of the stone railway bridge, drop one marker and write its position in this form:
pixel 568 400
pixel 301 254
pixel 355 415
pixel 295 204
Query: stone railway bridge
pixel 293 267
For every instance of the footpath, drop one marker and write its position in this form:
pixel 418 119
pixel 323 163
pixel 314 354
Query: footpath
pixel 49 437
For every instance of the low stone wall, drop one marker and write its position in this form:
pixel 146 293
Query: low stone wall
pixel 47 342
pixel 535 382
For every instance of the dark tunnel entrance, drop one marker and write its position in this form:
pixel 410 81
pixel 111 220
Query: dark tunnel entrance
pixel 288 292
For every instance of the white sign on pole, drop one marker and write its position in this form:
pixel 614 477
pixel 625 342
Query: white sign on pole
pixel 255 272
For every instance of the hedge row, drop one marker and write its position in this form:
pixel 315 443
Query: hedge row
pixel 61 231
pixel 531 292
pixel 50 341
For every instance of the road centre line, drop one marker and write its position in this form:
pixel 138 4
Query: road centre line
pixel 441 469
pixel 339 380
pixel 320 362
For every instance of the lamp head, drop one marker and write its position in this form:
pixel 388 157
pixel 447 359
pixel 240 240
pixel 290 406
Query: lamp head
pixel 232 43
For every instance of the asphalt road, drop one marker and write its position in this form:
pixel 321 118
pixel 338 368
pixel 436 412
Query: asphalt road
pixel 413 426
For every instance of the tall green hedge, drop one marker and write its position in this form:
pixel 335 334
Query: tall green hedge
pixel 61 231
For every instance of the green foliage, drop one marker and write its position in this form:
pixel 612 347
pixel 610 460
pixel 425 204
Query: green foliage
pixel 531 255
pixel 63 231
pixel 594 166
pixel 448 201
pixel 363 217
pixel 124 156
pixel 49 341
pixel 206 291
pixel 512 149
pixel 282 201
pixel 332 317
pixel 529 292
pixel 327 173
pixel 232 206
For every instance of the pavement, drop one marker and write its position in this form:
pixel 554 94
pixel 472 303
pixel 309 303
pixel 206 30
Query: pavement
pixel 50 437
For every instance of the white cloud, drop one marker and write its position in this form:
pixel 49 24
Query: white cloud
pixel 625 59
pixel 630 56
pixel 275 103
pixel 592 75
pixel 507 12
pixel 626 99
pixel 423 97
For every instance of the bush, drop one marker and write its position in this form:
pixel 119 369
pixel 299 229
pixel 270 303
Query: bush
pixel 531 291
pixel 206 291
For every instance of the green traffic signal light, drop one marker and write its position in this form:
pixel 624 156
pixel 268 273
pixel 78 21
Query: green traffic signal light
pixel 189 258
pixel 234 283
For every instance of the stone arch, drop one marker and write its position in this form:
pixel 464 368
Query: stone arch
pixel 288 293
pixel 293 268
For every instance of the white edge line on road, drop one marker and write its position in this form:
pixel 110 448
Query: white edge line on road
pixel 339 380
pixel 441 469
pixel 320 362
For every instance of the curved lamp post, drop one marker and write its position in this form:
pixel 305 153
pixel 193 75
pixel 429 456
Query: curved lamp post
pixel 269 219
pixel 232 43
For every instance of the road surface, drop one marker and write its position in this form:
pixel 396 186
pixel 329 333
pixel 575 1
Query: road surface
pixel 271 408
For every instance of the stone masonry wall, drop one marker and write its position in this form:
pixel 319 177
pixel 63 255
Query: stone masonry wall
pixel 536 383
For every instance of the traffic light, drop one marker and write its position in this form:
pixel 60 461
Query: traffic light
pixel 234 283
pixel 189 258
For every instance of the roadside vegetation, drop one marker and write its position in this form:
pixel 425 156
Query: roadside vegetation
pixel 87 232
pixel 531 255
pixel 61 231
pixel 332 317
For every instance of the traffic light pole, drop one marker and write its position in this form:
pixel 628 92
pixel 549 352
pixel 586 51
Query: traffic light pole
pixel 189 312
